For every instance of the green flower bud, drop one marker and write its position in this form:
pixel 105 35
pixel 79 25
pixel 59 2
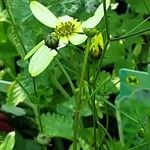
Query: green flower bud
pixel 52 40
pixel 95 53
pixel 97 46
pixel 90 32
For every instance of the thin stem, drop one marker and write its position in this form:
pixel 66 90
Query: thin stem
pixel 106 21
pixel 78 96
pixel 59 87
pixel 94 108
pixel 100 61
pixel 104 130
pixel 120 130
pixel 107 41
pixel 137 26
pixel 38 116
pixel 131 35
pixel 15 28
pixel 34 86
pixel 66 75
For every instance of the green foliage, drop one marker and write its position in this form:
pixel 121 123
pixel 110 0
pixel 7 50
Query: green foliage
pixel 25 144
pixel 48 104
pixel 56 125
pixel 139 102
pixel 9 142
pixel 141 7
pixel 16 94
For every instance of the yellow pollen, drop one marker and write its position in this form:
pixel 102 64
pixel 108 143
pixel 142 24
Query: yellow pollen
pixel 65 29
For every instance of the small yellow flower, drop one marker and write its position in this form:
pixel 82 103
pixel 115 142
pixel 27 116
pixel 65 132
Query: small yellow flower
pixel 65 27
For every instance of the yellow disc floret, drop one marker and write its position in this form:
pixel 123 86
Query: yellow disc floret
pixel 66 27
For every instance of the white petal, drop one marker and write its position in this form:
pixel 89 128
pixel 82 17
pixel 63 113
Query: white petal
pixel 65 18
pixel 40 60
pixel 77 39
pixel 63 41
pixel 43 14
pixel 98 15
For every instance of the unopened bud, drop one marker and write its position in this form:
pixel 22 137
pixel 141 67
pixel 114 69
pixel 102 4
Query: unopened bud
pixel 52 40
pixel 96 46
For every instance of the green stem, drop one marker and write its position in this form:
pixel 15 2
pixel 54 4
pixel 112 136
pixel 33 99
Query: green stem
pixel 100 61
pixel 59 87
pixel 120 130
pixel 38 114
pixel 94 107
pixel 104 130
pixel 106 21
pixel 66 75
pixel 131 35
pixel 78 96
pixel 137 26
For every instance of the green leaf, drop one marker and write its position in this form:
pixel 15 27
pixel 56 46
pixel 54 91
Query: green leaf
pixel 136 105
pixel 56 125
pixel 142 6
pixel 16 94
pixel 9 142
pixel 40 60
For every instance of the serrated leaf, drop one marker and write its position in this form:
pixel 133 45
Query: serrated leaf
pixel 16 94
pixel 56 125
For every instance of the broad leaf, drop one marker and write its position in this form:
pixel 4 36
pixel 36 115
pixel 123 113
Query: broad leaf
pixel 56 125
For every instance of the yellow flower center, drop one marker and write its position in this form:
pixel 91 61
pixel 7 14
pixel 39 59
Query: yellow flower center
pixel 65 29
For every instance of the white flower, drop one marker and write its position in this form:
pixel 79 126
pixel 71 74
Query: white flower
pixel 67 29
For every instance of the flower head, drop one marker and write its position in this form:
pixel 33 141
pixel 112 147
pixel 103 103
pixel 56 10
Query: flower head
pixel 66 29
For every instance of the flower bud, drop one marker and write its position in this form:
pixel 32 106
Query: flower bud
pixel 95 53
pixel 52 40
pixel 97 46
pixel 90 32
